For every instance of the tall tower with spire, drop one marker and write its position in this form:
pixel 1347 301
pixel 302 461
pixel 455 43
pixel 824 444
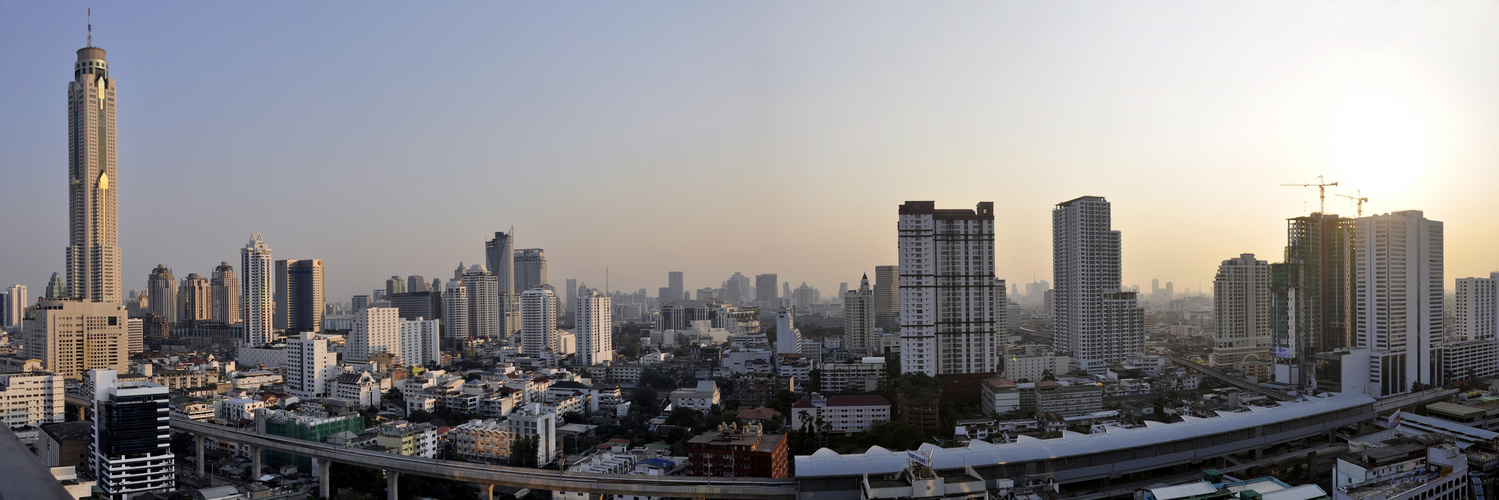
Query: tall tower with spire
pixel 93 253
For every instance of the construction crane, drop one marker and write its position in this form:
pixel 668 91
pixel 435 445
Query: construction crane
pixel 1360 199
pixel 1321 186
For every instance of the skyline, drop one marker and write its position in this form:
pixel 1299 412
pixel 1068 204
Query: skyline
pixel 802 121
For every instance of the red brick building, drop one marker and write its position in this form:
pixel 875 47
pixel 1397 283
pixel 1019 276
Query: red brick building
pixel 735 451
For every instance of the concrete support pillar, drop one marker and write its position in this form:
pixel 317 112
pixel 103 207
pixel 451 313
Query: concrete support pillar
pixel 392 490
pixel 82 413
pixel 325 467
pixel 199 458
pixel 489 492
pixel 254 463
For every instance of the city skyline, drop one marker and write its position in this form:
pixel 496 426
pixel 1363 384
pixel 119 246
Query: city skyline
pixel 1164 137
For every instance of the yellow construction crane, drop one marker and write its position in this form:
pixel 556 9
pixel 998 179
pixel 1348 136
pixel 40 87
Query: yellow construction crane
pixel 1360 199
pixel 1321 186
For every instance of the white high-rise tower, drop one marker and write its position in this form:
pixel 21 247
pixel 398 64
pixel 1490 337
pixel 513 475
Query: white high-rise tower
pixel 1241 302
pixel 93 253
pixel 455 324
pixel 1095 321
pixel 859 317
pixel 257 304
pixel 485 317
pixel 538 328
pixel 1397 299
pixel 593 315
pixel 948 293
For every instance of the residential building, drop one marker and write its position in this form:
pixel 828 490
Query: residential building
pixel 483 441
pixel 702 398
pixel 538 322
pixel 31 399
pixel 499 253
pixel 72 337
pixel 1095 320
pixel 65 444
pixel 541 423
pixel 859 318
pixel 93 252
pixel 421 342
pixel 309 365
pixel 845 414
pixel 859 375
pixel 359 387
pixel 241 408
pixel 788 338
pixel 1405 471
pixel 455 330
pixel 949 298
pixel 193 299
pixel 1034 366
pixel 1241 304
pixel 376 329
pixel 299 295
pixel 224 294
pixel 13 307
pixel 757 389
pixel 530 269
pixel 486 315
pixel 594 326
pixel 161 289
pixel 738 451
pixel 1398 304
pixel 886 297
pixel 412 440
pixel 257 302
pixel 131 453
pixel 1000 396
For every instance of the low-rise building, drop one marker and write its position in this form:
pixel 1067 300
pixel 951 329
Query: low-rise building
pixel 701 398
pixel 405 438
pixel 31 399
pixel 845 414
pixel 241 408
pixel 65 444
pixel 1001 396
pixel 864 374
pixel 738 451
pixel 1034 365
pixel 1402 469
pixel 759 389
pixel 483 441
pixel 360 387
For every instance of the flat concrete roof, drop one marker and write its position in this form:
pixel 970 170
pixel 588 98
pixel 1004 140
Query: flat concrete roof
pixel 25 476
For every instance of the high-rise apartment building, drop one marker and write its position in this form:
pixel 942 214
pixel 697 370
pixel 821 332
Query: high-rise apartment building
pixel 859 318
pixel 485 317
pixel 421 342
pixel 93 253
pixel 530 269
pixel 538 322
pixel 499 253
pixel 162 293
pixel 224 287
pixel 13 308
pixel 886 296
pixel 376 329
pixel 1241 303
pixel 455 327
pixel 194 298
pixel 593 317
pixel 72 337
pixel 676 287
pixel 131 453
pixel 1398 271
pixel 299 295
pixel 135 334
pixel 788 338
pixel 765 289
pixel 310 366
pixel 948 317
pixel 1311 304
pixel 1476 308
pixel 257 304
pixel 1096 321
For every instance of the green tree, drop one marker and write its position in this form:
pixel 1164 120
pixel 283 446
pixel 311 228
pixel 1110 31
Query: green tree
pixel 524 451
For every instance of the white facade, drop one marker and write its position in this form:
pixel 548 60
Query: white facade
pixel 309 365
pixel 846 414
pixel 788 338
pixel 700 398
pixel 257 304
pixel 950 311
pixel 538 329
pixel 865 374
pixel 242 408
pixel 31 399
pixel 13 308
pixel 858 317
pixel 1034 367
pixel 1477 308
pixel 1241 302
pixel 421 342
pixel 455 332
pixel 1095 321
pixel 360 387
pixel 376 329
pixel 593 315
pixel 1397 298
pixel 485 317
pixel 539 421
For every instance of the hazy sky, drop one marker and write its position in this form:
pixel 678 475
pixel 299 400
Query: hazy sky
pixel 713 137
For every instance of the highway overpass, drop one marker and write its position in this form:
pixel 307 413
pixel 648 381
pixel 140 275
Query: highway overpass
pixel 492 475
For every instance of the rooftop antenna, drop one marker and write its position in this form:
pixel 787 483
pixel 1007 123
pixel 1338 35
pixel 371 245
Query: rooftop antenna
pixel 1359 200
pixel 1321 186
pixel 91 27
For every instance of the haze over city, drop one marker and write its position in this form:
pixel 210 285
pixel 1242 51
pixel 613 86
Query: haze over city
pixel 387 139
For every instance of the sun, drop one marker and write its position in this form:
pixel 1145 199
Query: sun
pixel 1378 143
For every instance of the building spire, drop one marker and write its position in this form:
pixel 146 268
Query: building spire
pixel 91 27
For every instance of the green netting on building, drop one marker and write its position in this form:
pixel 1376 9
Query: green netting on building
pixel 316 430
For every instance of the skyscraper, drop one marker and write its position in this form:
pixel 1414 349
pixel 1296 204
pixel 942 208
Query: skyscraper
pixel 131 452
pixel 395 285
pixel 571 294
pixel 886 296
pixel 162 290
pixel 224 286
pixel 93 253
pixel 456 323
pixel 948 295
pixel 56 287
pixel 530 269
pixel 13 307
pixel 674 283
pixel 765 289
pixel 71 336
pixel 1476 308
pixel 193 298
pixel 1310 300
pixel 593 315
pixel 1241 303
pixel 499 253
pixel 1095 321
pixel 418 283
pixel 421 341
pixel 299 295
pixel 376 329
pixel 538 322
pixel 485 319
pixel 256 303
pixel 858 317
pixel 1398 273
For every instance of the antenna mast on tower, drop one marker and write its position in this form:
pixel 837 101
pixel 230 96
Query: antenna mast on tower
pixel 91 26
